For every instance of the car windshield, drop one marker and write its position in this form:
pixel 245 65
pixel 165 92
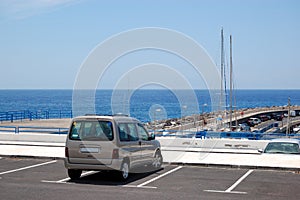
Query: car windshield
pixel 91 130
pixel 282 147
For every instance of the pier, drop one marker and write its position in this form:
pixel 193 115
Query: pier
pixel 214 120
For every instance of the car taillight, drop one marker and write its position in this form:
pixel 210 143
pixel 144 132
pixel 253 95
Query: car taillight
pixel 115 154
pixel 66 152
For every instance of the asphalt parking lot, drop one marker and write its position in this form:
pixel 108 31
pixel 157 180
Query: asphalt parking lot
pixel 22 178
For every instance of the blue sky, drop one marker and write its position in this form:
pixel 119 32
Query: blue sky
pixel 44 43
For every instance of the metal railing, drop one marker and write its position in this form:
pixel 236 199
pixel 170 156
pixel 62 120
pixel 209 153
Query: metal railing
pixel 32 115
pixel 232 135
pixel 33 129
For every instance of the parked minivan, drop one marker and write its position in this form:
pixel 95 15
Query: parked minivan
pixel 118 143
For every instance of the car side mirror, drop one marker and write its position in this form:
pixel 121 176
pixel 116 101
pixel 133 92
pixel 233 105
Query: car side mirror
pixel 151 136
pixel 260 150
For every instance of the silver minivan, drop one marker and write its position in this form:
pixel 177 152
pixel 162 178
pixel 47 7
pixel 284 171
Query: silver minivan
pixel 118 143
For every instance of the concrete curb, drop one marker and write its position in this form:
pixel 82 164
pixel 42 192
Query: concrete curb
pixel 42 144
pixel 32 157
pixel 235 166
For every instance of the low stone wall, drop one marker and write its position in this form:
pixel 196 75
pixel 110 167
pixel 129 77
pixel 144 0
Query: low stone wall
pixel 167 143
pixel 33 137
pixel 212 145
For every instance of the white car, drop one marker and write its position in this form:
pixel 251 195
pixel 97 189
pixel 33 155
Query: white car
pixel 254 121
pixel 283 146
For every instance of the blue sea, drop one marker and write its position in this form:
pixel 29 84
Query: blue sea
pixel 146 105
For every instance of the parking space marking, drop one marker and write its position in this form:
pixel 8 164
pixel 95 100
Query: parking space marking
pixel 239 181
pixel 143 185
pixel 220 191
pixel 229 190
pixel 28 167
pixel 160 176
pixel 65 180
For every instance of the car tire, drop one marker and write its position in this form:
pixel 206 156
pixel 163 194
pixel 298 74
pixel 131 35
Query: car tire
pixel 157 160
pixel 124 170
pixel 74 174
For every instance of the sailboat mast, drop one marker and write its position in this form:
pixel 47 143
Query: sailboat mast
pixel 231 84
pixel 222 70
pixel 288 119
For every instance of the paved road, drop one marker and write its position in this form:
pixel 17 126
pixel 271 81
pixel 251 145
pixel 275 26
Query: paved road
pixel 47 179
pixel 280 123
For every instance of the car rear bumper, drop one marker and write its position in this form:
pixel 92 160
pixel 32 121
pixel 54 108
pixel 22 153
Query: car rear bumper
pixel 114 165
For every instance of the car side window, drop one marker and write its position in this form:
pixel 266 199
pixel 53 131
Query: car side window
pixel 127 132
pixel 142 132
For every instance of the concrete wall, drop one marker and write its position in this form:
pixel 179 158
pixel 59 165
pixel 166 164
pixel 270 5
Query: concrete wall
pixel 33 137
pixel 212 145
pixel 167 143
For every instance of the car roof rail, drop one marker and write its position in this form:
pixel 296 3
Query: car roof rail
pixel 121 114
pixel 95 114
pixel 90 114
pixel 116 114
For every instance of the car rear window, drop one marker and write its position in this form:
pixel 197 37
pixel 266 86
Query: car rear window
pixel 91 130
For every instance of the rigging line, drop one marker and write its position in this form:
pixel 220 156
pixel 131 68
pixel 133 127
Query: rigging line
pixel 235 105
pixel 225 85
pixel 226 64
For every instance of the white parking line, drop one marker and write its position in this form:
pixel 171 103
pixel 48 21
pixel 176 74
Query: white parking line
pixel 142 185
pixel 28 167
pixel 65 180
pixel 229 190
pixel 160 176
pixel 221 191
pixel 239 181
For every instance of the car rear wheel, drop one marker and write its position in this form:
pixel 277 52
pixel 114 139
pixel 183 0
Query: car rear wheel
pixel 124 171
pixel 74 173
